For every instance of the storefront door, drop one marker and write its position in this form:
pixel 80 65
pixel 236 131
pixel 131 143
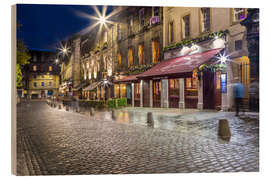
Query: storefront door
pixel 146 93
pixel 209 90
pixel 156 93
pixel 137 94
pixel 173 93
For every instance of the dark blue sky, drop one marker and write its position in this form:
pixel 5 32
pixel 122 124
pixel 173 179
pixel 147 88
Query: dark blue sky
pixel 43 26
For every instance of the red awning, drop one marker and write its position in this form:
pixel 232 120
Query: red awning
pixel 127 79
pixel 179 65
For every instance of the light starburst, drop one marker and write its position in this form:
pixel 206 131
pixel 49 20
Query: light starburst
pixel 223 58
pixel 64 50
pixel 100 19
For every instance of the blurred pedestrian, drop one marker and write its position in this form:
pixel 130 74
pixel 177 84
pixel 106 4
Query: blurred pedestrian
pixel 238 94
pixel 254 96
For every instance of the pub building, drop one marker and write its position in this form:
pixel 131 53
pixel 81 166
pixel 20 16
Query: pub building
pixel 180 80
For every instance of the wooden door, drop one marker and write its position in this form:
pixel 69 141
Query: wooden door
pixel 209 90
pixel 146 93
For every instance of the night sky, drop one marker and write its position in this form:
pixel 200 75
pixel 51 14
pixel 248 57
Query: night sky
pixel 43 26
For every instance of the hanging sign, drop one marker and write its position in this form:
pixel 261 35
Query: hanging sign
pixel 223 83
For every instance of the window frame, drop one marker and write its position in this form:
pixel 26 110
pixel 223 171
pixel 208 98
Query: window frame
pixel 171 32
pixel 141 18
pixel 183 26
pixel 202 28
pixel 233 20
pixel 141 60
pixel 155 59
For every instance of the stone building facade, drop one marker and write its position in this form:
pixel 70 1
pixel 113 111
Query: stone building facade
pixel 119 61
pixel 184 23
pixel 42 75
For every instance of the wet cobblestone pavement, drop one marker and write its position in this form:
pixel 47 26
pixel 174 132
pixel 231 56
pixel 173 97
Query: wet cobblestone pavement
pixel 57 142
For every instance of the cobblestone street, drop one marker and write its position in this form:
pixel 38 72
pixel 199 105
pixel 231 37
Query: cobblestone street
pixel 58 142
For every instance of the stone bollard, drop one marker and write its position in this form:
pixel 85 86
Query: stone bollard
pixel 224 129
pixel 59 106
pixel 91 111
pixel 67 108
pixel 113 115
pixel 150 120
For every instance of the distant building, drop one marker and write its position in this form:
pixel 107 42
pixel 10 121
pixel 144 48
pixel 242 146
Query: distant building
pixel 41 76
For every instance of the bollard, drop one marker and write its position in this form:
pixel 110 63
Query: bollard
pixel 54 105
pixel 150 120
pixel 59 106
pixel 224 129
pixel 67 108
pixel 113 115
pixel 91 111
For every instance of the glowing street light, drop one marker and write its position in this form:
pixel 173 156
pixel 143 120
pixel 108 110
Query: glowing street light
pixel 223 58
pixel 102 20
pixel 64 50
pixel 57 61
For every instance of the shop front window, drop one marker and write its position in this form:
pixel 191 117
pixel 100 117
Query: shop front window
pixel 116 90
pixel 156 90
pixel 174 87
pixel 123 90
pixel 137 90
pixel 191 83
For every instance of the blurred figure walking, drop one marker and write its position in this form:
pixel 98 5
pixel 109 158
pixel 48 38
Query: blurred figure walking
pixel 238 93
pixel 254 96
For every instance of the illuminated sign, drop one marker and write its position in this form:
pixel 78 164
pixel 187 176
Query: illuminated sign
pixel 223 83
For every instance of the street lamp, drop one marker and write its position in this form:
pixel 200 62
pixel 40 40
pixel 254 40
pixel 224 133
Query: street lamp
pixel 102 20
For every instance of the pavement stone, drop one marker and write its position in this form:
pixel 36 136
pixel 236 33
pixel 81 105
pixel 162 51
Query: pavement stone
pixel 57 142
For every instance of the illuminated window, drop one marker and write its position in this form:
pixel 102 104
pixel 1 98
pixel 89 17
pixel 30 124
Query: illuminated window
pixel 130 57
pixel 171 37
pixel 186 26
pixel 191 83
pixel 123 90
pixel 136 90
pixel 205 19
pixel 217 80
pixel 238 14
pixel 42 84
pixel 155 51
pixel 141 53
pixel 116 90
pixel 119 58
pixel 49 83
pixel 174 87
pixel 156 90
pixel 34 68
pixel 50 68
